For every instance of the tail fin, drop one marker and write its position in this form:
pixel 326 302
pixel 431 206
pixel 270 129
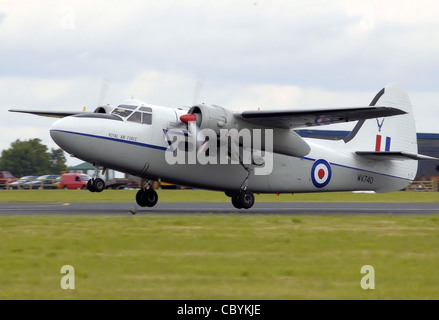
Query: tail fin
pixel 390 138
pixel 396 133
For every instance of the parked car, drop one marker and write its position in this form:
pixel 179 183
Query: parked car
pixel 47 181
pixel 6 178
pixel 20 182
pixel 74 181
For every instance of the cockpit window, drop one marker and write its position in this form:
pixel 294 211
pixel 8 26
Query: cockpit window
pixel 142 115
pixel 147 118
pixel 127 106
pixel 147 109
pixel 122 112
pixel 136 117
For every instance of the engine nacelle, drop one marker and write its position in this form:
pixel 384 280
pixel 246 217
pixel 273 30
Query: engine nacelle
pixel 283 141
pixel 213 117
pixel 104 109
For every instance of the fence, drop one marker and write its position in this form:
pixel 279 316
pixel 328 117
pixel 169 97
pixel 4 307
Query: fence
pixel 428 186
pixel 425 186
pixel 31 184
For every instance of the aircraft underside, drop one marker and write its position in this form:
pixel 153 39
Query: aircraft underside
pixel 288 175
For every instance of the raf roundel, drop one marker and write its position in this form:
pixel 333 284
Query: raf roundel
pixel 321 173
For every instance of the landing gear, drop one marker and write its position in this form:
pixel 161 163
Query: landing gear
pixel 96 185
pixel 147 196
pixel 243 199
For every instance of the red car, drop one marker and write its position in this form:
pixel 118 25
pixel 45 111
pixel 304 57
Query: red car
pixel 5 179
pixel 74 181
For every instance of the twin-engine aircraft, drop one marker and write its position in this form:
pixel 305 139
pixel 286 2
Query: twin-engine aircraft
pixel 242 153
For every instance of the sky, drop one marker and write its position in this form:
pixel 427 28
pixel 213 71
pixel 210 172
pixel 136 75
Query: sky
pixel 240 54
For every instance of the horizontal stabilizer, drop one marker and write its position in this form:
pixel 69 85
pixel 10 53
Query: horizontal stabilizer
pixel 393 155
pixel 52 114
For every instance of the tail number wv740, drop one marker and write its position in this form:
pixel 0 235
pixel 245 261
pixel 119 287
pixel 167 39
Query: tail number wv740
pixel 365 178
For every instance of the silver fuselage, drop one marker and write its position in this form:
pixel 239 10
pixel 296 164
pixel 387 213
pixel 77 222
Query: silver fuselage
pixel 139 149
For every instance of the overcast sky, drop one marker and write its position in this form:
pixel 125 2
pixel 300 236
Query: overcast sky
pixel 241 54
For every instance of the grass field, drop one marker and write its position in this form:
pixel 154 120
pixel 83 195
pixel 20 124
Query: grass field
pixel 188 195
pixel 219 257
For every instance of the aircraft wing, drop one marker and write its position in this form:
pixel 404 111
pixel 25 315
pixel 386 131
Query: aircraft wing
pixel 290 119
pixel 53 114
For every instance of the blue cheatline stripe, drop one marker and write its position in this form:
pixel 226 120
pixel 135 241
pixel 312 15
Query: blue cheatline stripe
pixel 165 148
pixel 114 139
pixel 388 140
pixel 358 169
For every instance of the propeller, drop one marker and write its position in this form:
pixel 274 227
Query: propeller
pixel 192 121
pixel 100 107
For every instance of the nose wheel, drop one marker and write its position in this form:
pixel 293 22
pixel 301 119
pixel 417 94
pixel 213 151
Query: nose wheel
pixel 96 185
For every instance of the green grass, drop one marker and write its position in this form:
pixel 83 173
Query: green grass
pixel 188 195
pixel 219 257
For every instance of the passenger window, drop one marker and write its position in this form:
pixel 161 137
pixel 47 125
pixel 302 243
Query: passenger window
pixel 136 117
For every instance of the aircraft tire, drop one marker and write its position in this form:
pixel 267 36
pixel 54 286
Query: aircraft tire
pixel 147 198
pixel 236 201
pixel 90 186
pixel 243 199
pixel 98 185
pixel 247 199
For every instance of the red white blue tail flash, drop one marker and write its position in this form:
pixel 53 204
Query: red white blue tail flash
pixel 380 141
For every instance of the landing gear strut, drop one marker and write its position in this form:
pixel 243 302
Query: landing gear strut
pixel 243 199
pixel 147 196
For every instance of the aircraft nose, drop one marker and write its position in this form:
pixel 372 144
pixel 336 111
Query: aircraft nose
pixel 61 132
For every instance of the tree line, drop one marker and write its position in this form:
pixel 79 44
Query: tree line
pixel 31 157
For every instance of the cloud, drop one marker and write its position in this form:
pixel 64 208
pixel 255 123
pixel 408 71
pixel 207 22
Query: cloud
pixel 336 44
pixel 248 54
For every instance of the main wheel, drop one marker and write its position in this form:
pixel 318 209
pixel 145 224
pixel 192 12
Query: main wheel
pixel 152 197
pixel 247 199
pixel 236 201
pixel 243 199
pixel 147 198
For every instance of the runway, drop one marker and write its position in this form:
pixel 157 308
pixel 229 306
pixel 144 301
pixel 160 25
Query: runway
pixel 267 208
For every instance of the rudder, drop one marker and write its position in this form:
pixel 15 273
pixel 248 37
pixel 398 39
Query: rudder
pixel 389 139
pixel 397 133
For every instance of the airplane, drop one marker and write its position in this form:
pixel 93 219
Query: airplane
pixel 214 148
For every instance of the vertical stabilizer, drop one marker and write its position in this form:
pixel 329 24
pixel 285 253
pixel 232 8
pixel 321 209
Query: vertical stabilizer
pixel 389 134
